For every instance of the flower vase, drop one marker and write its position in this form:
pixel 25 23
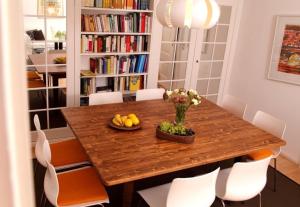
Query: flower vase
pixel 180 113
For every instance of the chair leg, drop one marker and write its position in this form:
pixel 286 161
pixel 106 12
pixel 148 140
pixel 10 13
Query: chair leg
pixel 275 174
pixel 259 199
pixel 223 203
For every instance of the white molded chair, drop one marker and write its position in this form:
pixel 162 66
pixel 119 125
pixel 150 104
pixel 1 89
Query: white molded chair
pixel 234 105
pixel 243 181
pixel 66 154
pixel 273 126
pixel 75 188
pixel 105 98
pixel 150 94
pixel 188 192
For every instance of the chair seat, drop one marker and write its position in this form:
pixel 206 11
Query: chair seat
pixel 156 196
pixel 67 153
pixel 32 75
pixel 82 187
pixel 36 83
pixel 261 154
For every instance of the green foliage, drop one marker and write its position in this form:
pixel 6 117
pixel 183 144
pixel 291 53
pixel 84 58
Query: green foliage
pixel 170 128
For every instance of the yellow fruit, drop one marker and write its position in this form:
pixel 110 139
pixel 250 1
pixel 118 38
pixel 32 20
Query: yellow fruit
pixel 128 123
pixel 118 115
pixel 124 118
pixel 119 120
pixel 116 122
pixel 135 120
pixel 131 115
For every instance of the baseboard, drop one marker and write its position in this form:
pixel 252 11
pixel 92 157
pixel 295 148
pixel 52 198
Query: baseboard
pixel 288 157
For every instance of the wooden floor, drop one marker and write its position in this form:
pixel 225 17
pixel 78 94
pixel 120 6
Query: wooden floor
pixel 288 168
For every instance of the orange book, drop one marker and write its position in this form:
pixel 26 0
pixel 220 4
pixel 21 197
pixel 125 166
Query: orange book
pixel 129 4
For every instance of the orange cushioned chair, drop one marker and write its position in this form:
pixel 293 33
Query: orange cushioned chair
pixel 80 187
pixel 62 155
pixel 32 75
pixel 273 126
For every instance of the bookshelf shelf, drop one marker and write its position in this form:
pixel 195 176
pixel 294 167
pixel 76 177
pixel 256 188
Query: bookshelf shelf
pixel 113 11
pixel 113 53
pixel 116 71
pixel 115 33
pixel 115 75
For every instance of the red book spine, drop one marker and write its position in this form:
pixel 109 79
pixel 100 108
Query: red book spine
pixel 122 24
pixel 99 44
pixel 143 23
pixel 90 44
pixel 127 41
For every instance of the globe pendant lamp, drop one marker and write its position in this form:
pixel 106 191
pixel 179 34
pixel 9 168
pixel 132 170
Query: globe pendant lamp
pixel 188 13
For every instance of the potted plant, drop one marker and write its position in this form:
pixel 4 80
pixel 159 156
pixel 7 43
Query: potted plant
pixel 176 131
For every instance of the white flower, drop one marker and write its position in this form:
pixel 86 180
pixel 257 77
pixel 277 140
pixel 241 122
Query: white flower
pixel 169 93
pixel 182 93
pixel 195 101
pixel 176 90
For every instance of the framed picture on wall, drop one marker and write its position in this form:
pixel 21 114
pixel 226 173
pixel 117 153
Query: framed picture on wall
pixel 50 7
pixel 285 58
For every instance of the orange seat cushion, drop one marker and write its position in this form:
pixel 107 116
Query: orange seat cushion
pixel 36 84
pixel 32 75
pixel 67 153
pixel 79 187
pixel 261 154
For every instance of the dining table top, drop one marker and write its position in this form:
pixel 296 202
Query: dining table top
pixel 126 156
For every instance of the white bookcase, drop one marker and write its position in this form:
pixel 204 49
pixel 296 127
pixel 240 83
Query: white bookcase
pixel 82 59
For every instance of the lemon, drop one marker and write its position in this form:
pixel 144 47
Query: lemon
pixel 128 123
pixel 131 115
pixel 135 120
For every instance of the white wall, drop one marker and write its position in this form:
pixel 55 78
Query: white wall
pixel 248 74
pixel 16 183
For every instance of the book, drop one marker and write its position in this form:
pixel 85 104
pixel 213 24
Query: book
pixel 134 84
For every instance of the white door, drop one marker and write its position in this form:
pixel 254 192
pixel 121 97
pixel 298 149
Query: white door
pixel 199 59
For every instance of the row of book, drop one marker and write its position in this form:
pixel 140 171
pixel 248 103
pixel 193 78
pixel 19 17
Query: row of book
pixel 115 43
pixel 117 65
pixel 117 4
pixel 135 22
pixel 130 84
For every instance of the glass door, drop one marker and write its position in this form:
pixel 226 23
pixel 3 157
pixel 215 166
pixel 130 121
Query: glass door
pixel 175 57
pixel 46 68
pixel 211 56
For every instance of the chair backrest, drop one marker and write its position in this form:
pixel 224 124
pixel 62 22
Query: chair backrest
pixel 36 122
pixel 193 192
pixel 246 180
pixel 234 105
pixel 51 185
pixel 105 98
pixel 269 123
pixel 42 149
pixel 149 94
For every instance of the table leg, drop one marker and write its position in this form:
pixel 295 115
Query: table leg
pixel 128 189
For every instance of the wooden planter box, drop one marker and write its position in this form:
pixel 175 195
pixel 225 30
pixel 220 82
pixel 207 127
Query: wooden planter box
pixel 175 138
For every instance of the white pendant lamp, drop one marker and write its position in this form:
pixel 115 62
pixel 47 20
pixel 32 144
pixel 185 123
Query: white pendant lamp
pixel 188 13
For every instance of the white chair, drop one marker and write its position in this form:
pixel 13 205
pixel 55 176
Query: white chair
pixel 188 192
pixel 80 187
pixel 105 98
pixel 243 181
pixel 234 105
pixel 149 94
pixel 273 126
pixel 63 155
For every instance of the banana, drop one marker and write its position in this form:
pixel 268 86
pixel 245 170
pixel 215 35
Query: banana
pixel 116 122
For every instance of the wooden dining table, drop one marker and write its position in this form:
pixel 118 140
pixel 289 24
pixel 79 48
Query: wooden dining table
pixel 123 157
